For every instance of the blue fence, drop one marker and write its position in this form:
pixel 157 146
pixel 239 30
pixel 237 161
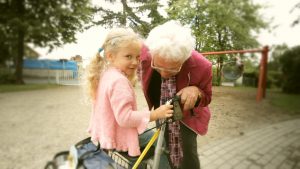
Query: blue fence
pixel 50 64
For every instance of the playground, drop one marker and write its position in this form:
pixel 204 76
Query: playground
pixel 37 124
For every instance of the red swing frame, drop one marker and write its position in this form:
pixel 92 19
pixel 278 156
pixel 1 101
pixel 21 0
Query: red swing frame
pixel 262 82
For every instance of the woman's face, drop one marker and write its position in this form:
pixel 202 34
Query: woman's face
pixel 126 59
pixel 165 67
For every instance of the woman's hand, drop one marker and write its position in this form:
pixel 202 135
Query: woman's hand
pixel 189 96
pixel 164 111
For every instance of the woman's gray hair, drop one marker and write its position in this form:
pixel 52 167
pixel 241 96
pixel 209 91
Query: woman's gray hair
pixel 171 41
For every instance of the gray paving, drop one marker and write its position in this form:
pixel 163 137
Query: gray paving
pixel 274 147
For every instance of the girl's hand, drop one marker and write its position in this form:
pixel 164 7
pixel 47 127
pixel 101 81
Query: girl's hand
pixel 164 111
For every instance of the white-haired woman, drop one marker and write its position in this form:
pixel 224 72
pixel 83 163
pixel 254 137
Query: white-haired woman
pixel 170 66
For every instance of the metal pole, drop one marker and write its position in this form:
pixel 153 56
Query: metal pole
pixel 265 64
pixel 232 52
pixel 152 140
pixel 159 147
pixel 261 88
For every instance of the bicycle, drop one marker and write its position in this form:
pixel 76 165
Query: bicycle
pixel 86 155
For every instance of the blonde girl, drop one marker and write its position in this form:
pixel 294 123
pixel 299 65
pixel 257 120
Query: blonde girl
pixel 115 122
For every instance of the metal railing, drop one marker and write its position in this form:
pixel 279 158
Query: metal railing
pixel 62 77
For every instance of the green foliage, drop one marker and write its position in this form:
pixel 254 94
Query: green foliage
pixel 217 25
pixel 250 65
pixel 132 15
pixel 43 23
pixel 274 79
pixel 250 79
pixel 7 78
pixel 215 80
pixel 220 25
pixel 297 20
pixel 286 102
pixel 274 75
pixel 290 62
pixel 277 52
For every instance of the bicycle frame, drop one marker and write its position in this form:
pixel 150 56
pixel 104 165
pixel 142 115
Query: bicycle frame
pixel 159 134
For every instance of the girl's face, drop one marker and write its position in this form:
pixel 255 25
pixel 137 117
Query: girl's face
pixel 126 59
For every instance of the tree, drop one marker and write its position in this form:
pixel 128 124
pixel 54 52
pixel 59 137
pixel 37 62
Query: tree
pixel 290 64
pixel 217 25
pixel 133 14
pixel 4 47
pixel 275 75
pixel 297 20
pixel 220 25
pixel 277 52
pixel 42 23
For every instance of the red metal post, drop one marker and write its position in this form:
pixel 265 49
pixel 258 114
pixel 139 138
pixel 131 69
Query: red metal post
pixel 265 55
pixel 232 52
pixel 262 83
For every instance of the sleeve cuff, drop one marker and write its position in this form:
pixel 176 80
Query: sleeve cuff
pixel 144 122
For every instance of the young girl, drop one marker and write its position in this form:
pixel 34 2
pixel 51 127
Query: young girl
pixel 115 122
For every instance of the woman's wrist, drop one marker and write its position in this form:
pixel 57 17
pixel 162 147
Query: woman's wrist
pixel 153 115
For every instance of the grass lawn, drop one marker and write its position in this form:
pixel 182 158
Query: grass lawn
pixel 26 87
pixel 286 102
pixel 289 102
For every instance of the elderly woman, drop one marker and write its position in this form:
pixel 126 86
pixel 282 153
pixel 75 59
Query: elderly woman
pixel 170 66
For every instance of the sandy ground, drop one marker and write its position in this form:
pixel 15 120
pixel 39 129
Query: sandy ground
pixel 34 125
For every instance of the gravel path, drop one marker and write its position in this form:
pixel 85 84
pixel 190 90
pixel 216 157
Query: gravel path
pixel 34 125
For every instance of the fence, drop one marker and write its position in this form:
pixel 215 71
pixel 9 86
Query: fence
pixel 52 71
pixel 63 77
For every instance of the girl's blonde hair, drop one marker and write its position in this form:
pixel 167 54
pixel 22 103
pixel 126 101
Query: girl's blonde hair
pixel 115 39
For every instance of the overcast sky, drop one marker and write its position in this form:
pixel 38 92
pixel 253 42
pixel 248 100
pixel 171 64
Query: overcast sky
pixel 89 41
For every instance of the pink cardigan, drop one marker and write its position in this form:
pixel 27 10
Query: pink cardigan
pixel 196 71
pixel 115 122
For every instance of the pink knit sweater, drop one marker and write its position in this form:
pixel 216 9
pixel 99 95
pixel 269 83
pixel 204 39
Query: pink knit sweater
pixel 115 122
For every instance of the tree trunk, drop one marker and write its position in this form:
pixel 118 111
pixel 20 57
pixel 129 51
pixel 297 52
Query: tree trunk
pixel 20 45
pixel 220 61
pixel 19 59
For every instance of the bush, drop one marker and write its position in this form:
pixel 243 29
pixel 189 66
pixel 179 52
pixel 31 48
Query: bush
pixel 7 78
pixel 290 62
pixel 274 79
pixel 250 79
pixel 215 81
